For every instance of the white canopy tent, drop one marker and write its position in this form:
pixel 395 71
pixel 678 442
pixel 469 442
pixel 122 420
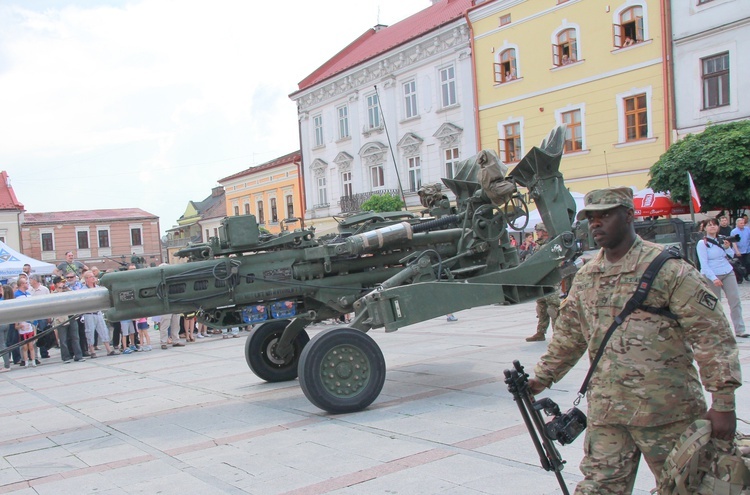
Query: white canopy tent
pixel 11 263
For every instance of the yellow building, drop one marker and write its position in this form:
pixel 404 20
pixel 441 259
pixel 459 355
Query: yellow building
pixel 271 191
pixel 596 66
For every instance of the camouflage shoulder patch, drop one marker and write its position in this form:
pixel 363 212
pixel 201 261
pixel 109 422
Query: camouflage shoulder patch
pixel 706 299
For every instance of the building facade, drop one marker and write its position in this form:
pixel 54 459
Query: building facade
pixel 712 84
pixel 198 223
pixel 271 191
pixel 597 67
pixel 391 111
pixel 11 213
pixel 104 238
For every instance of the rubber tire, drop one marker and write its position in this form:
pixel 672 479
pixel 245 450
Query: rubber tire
pixel 257 352
pixel 311 363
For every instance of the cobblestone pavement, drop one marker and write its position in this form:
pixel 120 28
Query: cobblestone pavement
pixel 196 420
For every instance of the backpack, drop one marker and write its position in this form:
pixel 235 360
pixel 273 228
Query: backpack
pixel 701 465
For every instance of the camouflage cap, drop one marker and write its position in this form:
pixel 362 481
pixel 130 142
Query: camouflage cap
pixel 540 226
pixel 606 199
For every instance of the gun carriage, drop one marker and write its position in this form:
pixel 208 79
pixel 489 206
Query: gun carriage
pixel 390 270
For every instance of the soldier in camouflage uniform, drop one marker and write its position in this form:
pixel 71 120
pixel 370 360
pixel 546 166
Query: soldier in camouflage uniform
pixel 645 391
pixel 547 307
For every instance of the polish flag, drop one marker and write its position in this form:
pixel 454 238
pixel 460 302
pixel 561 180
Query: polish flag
pixel 694 194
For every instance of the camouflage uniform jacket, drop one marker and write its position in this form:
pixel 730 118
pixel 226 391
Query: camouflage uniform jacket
pixel 646 376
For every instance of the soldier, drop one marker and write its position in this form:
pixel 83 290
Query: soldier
pixel 645 390
pixel 548 306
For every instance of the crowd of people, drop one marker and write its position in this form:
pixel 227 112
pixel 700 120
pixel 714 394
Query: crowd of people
pixel 80 337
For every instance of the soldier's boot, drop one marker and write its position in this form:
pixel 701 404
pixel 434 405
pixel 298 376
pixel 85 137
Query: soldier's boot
pixel 536 337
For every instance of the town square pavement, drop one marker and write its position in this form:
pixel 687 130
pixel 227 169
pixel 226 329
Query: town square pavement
pixel 196 420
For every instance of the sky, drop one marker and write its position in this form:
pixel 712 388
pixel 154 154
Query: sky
pixel 147 104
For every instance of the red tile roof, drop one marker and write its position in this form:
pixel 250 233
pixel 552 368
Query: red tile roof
pixel 79 216
pixel 8 200
pixel 294 156
pixel 377 41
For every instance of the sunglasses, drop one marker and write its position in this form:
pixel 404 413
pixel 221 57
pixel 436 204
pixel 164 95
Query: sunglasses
pixel 70 278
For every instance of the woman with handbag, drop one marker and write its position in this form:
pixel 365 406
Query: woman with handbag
pixel 714 260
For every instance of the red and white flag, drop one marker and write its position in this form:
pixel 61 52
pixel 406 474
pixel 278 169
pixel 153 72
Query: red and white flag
pixel 694 194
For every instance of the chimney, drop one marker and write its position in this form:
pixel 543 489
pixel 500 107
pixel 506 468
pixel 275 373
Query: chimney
pixel 217 191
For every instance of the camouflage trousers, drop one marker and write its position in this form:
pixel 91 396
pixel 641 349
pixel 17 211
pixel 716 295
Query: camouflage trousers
pixel 612 454
pixel 547 308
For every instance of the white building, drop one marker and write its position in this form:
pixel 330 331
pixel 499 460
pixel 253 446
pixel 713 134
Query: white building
pixel 711 81
pixel 401 95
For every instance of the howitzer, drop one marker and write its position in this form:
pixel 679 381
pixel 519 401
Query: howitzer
pixel 391 270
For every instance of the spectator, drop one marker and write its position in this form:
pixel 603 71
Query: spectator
pixel 628 41
pixel 70 266
pixel 26 269
pixel 44 344
pixel 528 246
pixel 547 307
pixel 94 322
pixel 12 337
pixel 714 265
pixel 67 331
pixel 743 246
pixel 143 335
pixel 26 333
pixel 724 228
pixel 4 329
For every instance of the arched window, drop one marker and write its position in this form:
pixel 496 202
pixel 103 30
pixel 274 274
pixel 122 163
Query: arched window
pixel 505 70
pixel 566 50
pixel 630 30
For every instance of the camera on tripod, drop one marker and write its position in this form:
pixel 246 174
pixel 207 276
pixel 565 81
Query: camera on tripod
pixel 563 428
pixel 730 238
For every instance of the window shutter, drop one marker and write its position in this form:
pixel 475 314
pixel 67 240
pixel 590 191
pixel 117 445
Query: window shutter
pixel 556 55
pixel 639 29
pixel 498 73
pixel 617 35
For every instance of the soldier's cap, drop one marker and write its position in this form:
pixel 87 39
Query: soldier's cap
pixel 540 226
pixel 606 199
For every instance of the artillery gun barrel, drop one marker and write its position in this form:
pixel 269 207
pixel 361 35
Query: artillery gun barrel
pixel 48 306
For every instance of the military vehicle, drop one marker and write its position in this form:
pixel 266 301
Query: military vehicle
pixel 390 270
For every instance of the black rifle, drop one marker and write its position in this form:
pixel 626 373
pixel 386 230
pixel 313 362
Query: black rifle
pixel 518 385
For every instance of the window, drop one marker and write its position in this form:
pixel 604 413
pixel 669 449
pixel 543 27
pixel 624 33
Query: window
pixel 318 126
pixel 236 210
pixel 510 146
pixel 506 70
pixel 636 118
pixel 261 215
pixel 373 112
pixel 715 74
pixel 289 206
pixel 48 243
pixel 247 208
pixel 377 176
pixel 566 50
pixel 136 238
pixel 630 29
pixel 451 162
pixel 504 19
pixel 343 113
pixel 103 236
pixel 448 86
pixel 82 236
pixel 573 131
pixel 346 184
pixel 410 99
pixel 415 173
pixel 322 191
pixel 274 211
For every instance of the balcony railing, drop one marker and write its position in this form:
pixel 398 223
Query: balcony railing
pixel 350 204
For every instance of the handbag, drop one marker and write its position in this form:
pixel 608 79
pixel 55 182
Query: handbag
pixel 740 272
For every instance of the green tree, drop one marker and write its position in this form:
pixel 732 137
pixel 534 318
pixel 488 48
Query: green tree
pixel 382 202
pixel 719 161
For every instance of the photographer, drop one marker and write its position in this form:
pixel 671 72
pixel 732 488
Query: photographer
pixel 646 390
pixel 712 254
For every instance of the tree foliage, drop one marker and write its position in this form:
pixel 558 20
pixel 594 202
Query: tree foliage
pixel 719 161
pixel 382 202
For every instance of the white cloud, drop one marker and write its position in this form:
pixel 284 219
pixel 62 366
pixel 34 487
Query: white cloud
pixel 147 104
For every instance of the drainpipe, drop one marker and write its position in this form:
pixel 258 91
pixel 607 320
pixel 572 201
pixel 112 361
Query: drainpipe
pixel 474 80
pixel 301 175
pixel 670 110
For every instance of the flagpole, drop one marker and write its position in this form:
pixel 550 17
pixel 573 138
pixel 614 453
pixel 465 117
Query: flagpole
pixel 692 208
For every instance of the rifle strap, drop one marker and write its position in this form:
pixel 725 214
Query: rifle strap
pixel 635 302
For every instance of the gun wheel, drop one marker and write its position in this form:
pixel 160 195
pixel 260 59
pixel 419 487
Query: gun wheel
pixel 342 370
pixel 260 352
pixel 517 212
pixel 488 222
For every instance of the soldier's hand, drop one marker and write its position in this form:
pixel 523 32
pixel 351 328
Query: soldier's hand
pixel 536 386
pixel 723 424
